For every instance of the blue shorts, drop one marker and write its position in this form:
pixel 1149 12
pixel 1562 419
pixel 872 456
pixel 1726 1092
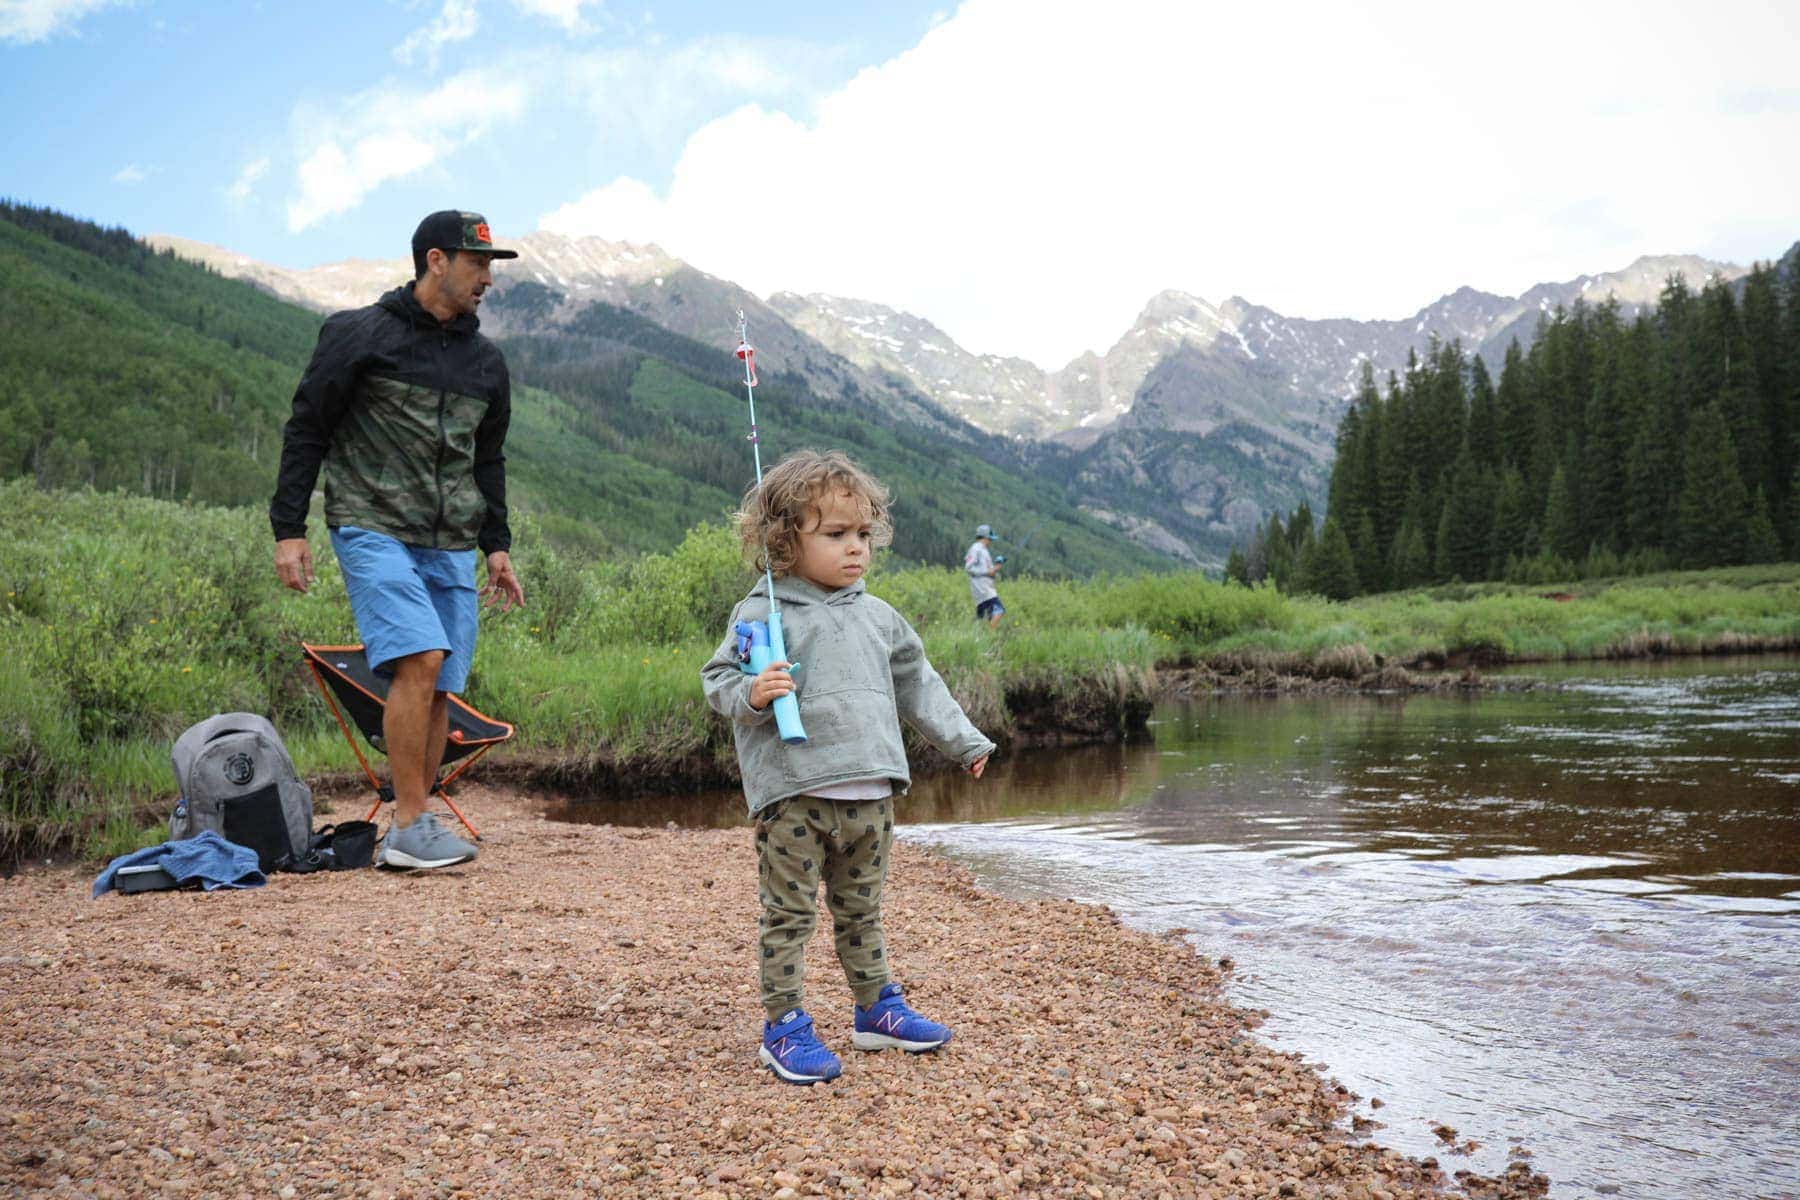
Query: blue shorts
pixel 991 607
pixel 408 599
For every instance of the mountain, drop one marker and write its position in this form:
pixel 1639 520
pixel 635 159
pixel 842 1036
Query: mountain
pixel 1196 422
pixel 582 271
pixel 1001 395
pixel 1199 419
pixel 133 369
pixel 1322 359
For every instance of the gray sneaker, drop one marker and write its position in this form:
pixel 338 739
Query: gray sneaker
pixel 423 845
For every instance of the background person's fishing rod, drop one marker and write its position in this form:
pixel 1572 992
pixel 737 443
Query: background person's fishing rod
pixel 1000 558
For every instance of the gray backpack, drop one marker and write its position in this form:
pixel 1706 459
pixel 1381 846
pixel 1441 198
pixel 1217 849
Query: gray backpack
pixel 237 780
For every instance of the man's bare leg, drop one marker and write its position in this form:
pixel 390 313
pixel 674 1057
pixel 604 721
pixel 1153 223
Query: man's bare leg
pixel 414 725
pixel 440 738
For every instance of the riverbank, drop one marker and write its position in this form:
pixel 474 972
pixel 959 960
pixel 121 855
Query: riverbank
pixel 577 1011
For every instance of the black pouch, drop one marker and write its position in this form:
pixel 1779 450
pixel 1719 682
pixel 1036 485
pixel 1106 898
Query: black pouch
pixel 345 847
pixel 255 820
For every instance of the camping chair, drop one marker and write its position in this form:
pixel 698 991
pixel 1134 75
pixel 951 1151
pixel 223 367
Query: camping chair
pixel 343 672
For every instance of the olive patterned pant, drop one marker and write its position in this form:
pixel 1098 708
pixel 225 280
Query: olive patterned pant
pixel 846 842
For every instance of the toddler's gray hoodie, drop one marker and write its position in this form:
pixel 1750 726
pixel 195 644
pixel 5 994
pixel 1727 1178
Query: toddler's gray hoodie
pixel 862 668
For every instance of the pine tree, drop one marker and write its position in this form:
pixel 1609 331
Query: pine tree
pixel 1256 557
pixel 1280 552
pixel 1411 564
pixel 1760 543
pixel 1371 576
pixel 1368 485
pixel 1331 571
pixel 1788 451
pixel 1763 336
pixel 1392 471
pixel 1484 417
pixel 1512 535
pixel 1440 547
pixel 1727 376
pixel 1514 410
pixel 1344 496
pixel 1236 569
pixel 1604 437
pixel 1711 510
pixel 1561 528
pixel 1466 526
pixel 1678 375
pixel 1447 409
pixel 1791 535
pixel 1301 533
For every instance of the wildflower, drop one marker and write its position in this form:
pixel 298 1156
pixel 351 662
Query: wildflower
pixel 185 670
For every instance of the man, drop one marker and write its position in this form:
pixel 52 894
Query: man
pixel 406 405
pixel 982 569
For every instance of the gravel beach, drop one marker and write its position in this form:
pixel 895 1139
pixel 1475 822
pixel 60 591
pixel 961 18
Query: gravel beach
pixel 577 1014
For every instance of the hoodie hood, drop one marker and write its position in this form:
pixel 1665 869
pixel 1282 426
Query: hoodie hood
pixel 403 304
pixel 792 589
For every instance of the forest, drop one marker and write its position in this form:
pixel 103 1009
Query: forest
pixel 1610 447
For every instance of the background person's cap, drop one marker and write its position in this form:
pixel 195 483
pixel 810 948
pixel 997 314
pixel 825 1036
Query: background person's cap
pixel 986 531
pixel 454 230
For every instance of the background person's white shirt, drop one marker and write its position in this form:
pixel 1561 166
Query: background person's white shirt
pixel 980 566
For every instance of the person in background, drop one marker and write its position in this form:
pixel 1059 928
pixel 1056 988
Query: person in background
pixel 406 405
pixel 982 568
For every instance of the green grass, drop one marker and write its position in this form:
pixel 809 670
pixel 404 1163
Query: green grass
pixel 123 620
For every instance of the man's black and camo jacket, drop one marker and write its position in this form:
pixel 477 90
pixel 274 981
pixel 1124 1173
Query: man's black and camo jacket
pixel 409 416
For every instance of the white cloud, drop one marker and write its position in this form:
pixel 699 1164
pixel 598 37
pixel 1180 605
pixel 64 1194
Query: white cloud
pixel 26 21
pixel 457 22
pixel 378 136
pixel 247 179
pixel 650 100
pixel 129 175
pixel 1031 173
pixel 566 13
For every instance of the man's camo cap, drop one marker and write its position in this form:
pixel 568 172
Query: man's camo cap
pixel 454 230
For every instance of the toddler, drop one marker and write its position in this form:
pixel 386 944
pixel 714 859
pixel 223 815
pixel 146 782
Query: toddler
pixel 824 808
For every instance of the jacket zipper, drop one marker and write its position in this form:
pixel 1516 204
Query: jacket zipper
pixel 437 468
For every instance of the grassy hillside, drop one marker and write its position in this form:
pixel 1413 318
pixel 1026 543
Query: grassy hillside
pixel 132 370
pixel 676 404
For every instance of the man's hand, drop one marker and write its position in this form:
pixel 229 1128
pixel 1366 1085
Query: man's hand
pixel 502 584
pixel 978 766
pixel 771 685
pixel 293 563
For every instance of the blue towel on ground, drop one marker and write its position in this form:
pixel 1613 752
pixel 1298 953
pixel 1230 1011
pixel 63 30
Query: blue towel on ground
pixel 206 856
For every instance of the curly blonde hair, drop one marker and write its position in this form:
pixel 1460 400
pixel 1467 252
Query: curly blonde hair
pixel 776 511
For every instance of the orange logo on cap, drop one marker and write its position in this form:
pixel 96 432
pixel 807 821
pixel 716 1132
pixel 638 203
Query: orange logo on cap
pixel 482 234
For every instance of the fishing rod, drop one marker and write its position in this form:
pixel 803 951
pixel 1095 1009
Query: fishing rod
pixel 760 643
pixel 1000 558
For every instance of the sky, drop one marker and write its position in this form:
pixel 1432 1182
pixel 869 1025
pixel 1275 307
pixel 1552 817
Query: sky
pixel 1024 173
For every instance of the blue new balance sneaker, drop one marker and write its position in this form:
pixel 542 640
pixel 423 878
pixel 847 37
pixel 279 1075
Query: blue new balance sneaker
pixel 889 1022
pixel 796 1056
